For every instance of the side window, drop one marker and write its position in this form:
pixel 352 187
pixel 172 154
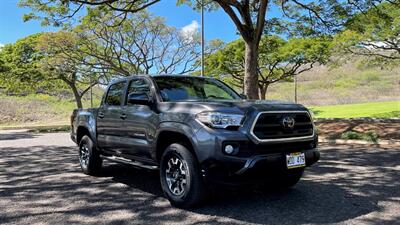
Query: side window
pixel 115 94
pixel 138 90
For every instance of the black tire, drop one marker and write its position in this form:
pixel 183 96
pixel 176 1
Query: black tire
pixel 89 159
pixel 194 190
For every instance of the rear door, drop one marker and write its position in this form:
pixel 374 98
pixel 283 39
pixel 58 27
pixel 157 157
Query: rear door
pixel 109 120
pixel 141 118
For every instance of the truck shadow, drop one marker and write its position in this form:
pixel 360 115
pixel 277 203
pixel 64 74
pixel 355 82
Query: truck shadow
pixel 308 202
pixel 346 184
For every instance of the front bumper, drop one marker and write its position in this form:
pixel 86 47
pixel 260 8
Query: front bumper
pixel 253 169
pixel 277 160
pixel 252 161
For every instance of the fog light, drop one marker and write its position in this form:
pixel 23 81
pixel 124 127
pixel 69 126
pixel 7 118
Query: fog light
pixel 229 149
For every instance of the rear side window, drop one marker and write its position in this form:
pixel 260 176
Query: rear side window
pixel 115 94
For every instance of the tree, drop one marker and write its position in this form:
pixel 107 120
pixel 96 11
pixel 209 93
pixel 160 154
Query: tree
pixel 141 43
pixel 278 60
pixel 62 61
pixel 38 63
pixel 20 71
pixel 374 33
pixel 250 18
pixel 250 24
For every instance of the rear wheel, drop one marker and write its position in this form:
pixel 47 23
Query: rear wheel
pixel 89 159
pixel 180 176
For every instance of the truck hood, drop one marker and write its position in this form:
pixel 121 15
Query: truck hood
pixel 237 106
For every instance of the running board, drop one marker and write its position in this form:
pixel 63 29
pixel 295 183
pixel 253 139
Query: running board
pixel 129 162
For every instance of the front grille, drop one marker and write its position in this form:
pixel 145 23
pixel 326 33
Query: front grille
pixel 270 125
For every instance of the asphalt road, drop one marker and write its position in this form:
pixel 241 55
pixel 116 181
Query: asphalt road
pixel 41 183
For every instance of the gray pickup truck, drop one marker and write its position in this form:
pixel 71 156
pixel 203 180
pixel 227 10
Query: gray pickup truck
pixel 196 131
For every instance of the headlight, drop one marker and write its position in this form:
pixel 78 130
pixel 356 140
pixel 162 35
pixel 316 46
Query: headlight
pixel 220 120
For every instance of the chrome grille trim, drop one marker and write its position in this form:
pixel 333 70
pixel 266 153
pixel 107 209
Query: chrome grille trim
pixel 303 138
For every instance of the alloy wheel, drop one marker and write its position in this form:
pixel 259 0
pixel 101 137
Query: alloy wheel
pixel 176 175
pixel 84 154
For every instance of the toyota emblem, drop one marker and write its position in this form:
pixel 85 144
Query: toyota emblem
pixel 288 122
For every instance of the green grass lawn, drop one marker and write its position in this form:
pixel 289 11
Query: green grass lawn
pixel 373 110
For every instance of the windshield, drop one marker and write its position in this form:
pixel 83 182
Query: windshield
pixel 193 89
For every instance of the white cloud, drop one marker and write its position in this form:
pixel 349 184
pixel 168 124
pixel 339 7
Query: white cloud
pixel 1 45
pixel 190 30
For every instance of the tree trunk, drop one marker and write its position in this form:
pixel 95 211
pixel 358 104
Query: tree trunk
pixel 263 91
pixel 78 97
pixel 250 70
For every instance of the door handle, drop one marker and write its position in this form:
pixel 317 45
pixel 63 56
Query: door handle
pixel 101 115
pixel 123 116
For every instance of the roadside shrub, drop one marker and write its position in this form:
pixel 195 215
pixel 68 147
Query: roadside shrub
pixel 371 136
pixel 367 136
pixel 351 135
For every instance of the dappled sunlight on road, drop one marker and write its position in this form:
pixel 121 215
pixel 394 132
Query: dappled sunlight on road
pixel 42 183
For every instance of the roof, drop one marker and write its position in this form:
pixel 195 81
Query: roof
pixel 174 75
pixel 159 75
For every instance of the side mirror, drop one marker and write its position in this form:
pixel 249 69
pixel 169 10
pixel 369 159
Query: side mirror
pixel 243 96
pixel 139 99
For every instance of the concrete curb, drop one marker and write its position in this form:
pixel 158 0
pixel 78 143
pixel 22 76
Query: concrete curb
pixel 34 127
pixel 358 120
pixel 359 142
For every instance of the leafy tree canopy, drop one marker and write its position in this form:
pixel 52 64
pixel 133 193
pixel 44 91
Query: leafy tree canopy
pixel 139 43
pixel 279 59
pixel 44 63
pixel 64 12
pixel 20 67
pixel 374 33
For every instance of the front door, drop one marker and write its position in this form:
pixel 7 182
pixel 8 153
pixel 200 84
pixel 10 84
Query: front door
pixel 109 120
pixel 141 119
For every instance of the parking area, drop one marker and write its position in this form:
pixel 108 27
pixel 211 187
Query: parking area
pixel 41 183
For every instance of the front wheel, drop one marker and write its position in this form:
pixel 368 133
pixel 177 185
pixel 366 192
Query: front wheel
pixel 181 178
pixel 89 159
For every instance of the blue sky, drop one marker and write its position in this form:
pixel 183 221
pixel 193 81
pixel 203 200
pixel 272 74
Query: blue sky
pixel 217 24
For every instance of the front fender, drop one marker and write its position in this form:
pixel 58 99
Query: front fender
pixel 177 127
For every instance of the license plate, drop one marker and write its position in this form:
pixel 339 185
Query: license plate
pixel 295 160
